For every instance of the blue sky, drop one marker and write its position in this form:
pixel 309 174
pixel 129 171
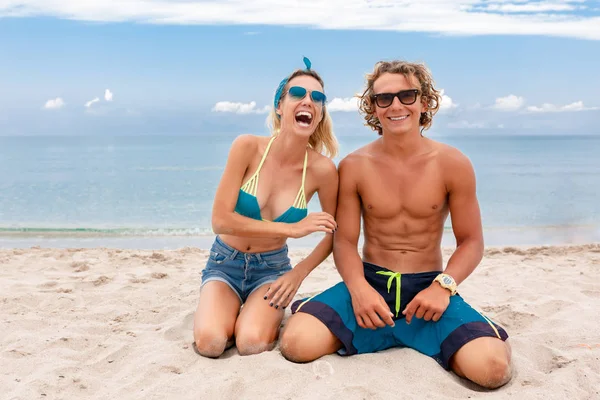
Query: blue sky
pixel 197 67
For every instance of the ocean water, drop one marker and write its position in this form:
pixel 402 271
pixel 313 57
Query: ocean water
pixel 157 191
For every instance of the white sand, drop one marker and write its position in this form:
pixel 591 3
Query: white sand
pixel 117 324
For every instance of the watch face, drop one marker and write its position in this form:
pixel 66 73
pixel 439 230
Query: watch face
pixel 447 280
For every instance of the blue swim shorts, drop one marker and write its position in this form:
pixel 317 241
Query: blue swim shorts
pixel 459 324
pixel 244 272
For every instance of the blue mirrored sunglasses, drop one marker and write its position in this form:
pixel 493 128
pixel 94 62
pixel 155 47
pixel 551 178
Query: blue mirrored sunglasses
pixel 299 92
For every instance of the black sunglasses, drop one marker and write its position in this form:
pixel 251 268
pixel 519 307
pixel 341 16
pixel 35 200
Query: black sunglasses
pixel 406 97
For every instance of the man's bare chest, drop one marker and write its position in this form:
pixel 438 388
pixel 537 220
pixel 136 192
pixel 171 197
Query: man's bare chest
pixel 387 191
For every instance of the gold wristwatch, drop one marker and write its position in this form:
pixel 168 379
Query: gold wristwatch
pixel 447 282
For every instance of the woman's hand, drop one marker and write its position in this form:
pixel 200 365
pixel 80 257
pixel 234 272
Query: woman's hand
pixel 313 222
pixel 282 291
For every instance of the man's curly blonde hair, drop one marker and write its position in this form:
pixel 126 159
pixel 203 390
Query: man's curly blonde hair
pixel 429 94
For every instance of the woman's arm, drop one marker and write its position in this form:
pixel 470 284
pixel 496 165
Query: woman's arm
pixel 327 191
pixel 282 291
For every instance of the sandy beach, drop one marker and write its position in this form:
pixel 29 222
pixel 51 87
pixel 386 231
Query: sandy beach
pixel 107 323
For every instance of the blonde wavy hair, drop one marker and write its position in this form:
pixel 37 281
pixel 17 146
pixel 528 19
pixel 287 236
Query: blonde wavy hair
pixel 429 94
pixel 323 139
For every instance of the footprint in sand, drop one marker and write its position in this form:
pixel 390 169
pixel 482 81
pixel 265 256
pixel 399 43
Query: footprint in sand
pixel 322 369
pixel 158 257
pixel 514 250
pixel 492 252
pixel 80 266
pixel 171 369
pixel 139 280
pixel 548 360
pixel 517 320
pixel 17 353
pixel 102 280
pixel 496 309
pixel 533 382
pixel 181 331
pixel 109 355
pixel 123 318
pixel 559 362
pixel 591 293
pixel 506 316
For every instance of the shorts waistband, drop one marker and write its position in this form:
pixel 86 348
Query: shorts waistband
pixel 415 275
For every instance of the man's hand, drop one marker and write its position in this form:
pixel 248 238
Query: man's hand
pixel 428 304
pixel 370 309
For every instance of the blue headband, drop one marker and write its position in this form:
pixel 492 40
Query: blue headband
pixel 284 82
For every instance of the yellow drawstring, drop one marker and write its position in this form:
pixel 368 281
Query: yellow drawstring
pixel 398 276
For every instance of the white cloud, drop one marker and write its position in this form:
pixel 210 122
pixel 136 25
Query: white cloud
pixel 54 104
pixel 89 103
pixel 452 17
pixel 108 95
pixel 239 108
pixel 509 103
pixel 547 107
pixel 345 104
pixel 466 125
pixel 531 7
pixel 447 103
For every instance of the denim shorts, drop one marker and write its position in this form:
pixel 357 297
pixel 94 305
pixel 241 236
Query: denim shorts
pixel 244 272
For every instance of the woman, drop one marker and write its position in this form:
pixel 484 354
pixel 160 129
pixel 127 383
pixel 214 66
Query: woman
pixel 260 202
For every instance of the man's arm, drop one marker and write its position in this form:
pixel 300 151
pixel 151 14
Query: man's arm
pixel 430 303
pixel 370 309
pixel 345 244
pixel 466 218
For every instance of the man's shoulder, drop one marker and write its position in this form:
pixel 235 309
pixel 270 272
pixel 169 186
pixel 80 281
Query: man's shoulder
pixel 450 156
pixel 453 163
pixel 359 156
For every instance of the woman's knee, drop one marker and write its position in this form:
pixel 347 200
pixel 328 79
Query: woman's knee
pixel 253 341
pixel 210 343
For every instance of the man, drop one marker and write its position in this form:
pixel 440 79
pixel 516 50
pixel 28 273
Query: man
pixel 404 185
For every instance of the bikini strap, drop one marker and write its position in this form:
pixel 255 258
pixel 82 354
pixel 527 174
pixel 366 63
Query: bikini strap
pixel 300 201
pixel 251 186
pixel 304 170
pixel 264 157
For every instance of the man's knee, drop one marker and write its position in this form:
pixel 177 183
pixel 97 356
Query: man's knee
pixel 292 345
pixel 306 339
pixel 495 371
pixel 209 343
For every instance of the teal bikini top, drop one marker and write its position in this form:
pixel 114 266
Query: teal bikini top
pixel 247 203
